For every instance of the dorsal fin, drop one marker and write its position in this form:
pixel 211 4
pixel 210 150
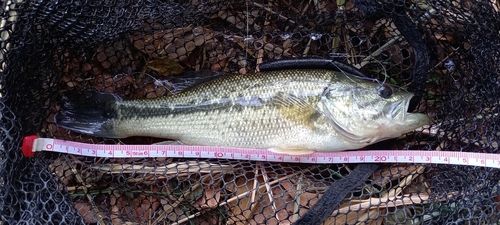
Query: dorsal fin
pixel 190 79
pixel 310 63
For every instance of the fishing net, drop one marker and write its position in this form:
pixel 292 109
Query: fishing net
pixel 136 49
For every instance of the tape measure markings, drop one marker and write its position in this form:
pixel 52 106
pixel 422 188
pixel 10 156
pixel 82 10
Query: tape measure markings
pixel 185 151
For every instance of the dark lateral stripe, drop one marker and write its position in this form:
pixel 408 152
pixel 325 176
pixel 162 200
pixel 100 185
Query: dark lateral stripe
pixel 136 112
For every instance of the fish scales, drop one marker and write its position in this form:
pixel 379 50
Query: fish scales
pixel 235 111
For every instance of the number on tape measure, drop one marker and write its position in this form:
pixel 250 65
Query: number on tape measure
pixel 380 156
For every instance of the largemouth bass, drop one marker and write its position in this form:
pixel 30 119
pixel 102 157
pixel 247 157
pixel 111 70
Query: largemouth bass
pixel 295 111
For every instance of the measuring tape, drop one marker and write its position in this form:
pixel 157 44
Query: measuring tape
pixel 32 144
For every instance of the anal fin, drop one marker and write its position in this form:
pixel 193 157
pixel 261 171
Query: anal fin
pixel 168 143
pixel 292 151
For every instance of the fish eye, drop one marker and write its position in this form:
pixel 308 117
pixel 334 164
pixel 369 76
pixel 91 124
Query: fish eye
pixel 384 91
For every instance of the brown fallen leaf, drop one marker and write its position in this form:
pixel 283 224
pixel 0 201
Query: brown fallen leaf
pixel 306 199
pixel 165 66
pixel 62 169
pixel 115 200
pixel 142 207
pixel 210 199
pixel 388 174
pixel 85 211
pixel 243 208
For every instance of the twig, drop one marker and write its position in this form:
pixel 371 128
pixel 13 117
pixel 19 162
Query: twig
pixel 260 53
pixel 298 192
pixel 268 188
pixel 237 197
pixel 431 12
pixel 388 202
pixel 75 188
pixel 273 12
pixel 395 191
pixel 305 8
pixel 253 204
pixel 378 51
pixel 445 58
pixel 308 46
pixel 287 3
pixel 163 214
pixel 89 197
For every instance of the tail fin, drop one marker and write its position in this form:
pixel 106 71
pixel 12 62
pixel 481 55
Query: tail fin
pixel 88 112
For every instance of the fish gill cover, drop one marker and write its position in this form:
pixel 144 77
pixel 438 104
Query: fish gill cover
pixel 140 49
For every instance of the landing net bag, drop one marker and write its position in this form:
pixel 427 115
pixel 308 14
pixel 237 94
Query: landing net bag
pixel 135 48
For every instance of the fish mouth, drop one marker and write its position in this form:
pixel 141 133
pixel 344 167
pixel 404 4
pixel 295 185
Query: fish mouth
pixel 413 119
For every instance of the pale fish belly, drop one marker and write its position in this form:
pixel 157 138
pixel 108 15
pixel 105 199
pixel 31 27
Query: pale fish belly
pixel 241 127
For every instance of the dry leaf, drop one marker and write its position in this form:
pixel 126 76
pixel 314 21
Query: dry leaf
pixel 242 209
pixel 165 66
pixel 152 90
pixel 115 208
pixel 388 174
pixel 85 211
pixel 62 169
pixel 176 215
pixel 287 185
pixel 306 199
pixel 396 55
pixel 209 200
pixel 174 43
pixel 112 83
pixel 142 207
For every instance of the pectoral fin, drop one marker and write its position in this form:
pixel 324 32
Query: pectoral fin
pixel 292 151
pixel 296 110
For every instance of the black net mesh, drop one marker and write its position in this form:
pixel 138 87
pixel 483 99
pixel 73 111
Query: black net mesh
pixel 136 48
